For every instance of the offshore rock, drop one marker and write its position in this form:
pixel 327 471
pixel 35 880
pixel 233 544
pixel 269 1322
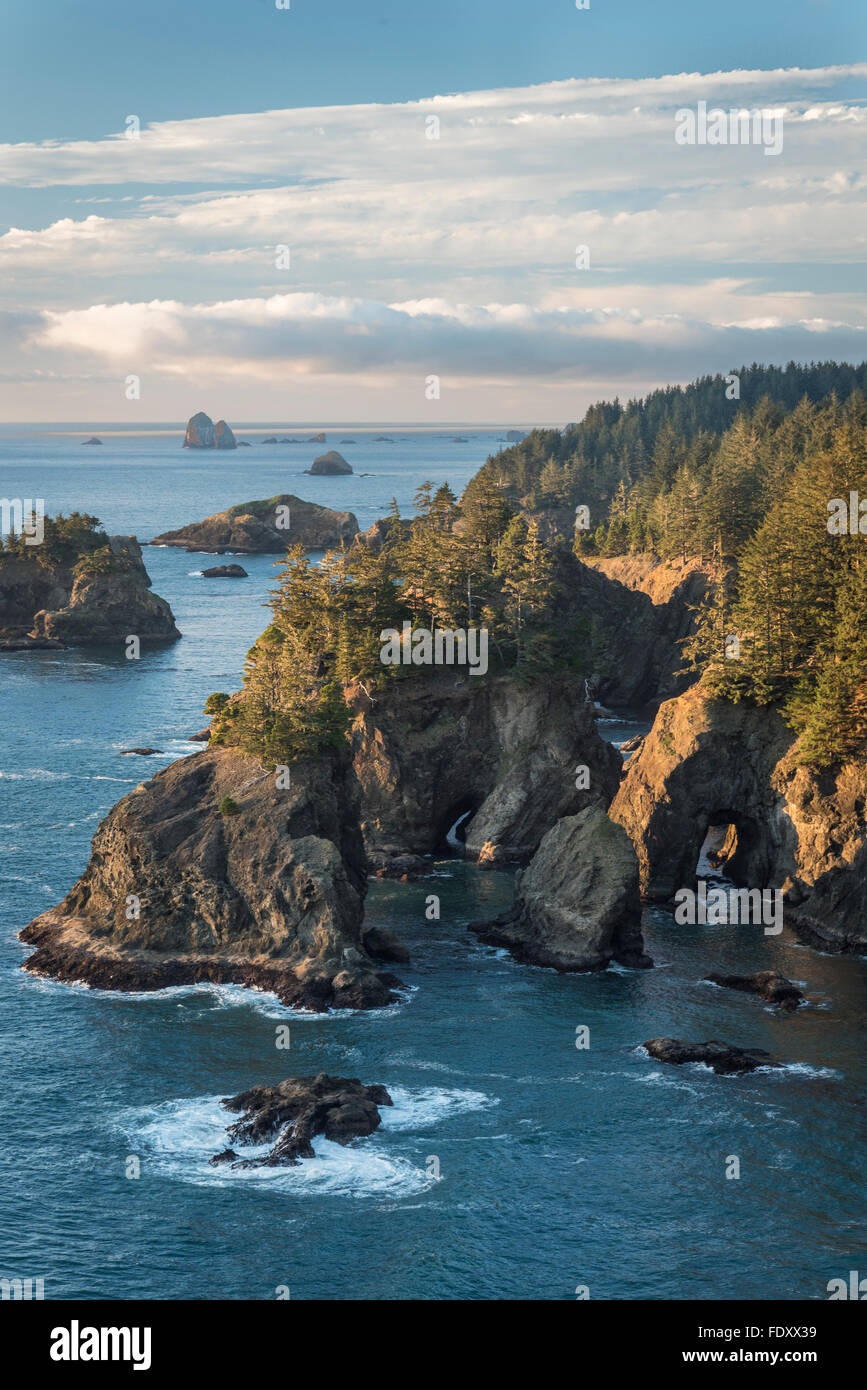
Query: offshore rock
pixel 720 1057
pixel 577 904
pixel 767 984
pixel 294 1111
pixel 202 433
pixel 261 528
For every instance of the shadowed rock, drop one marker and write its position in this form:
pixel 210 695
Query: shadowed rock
pixel 330 464
pixel 202 433
pixel 720 1057
pixel 767 984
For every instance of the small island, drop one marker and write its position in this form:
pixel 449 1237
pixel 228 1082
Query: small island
pixel 265 527
pixel 78 587
pixel 93 440
pixel 331 464
pixel 225 572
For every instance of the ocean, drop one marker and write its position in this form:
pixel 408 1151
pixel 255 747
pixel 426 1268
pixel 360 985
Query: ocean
pixel 513 1164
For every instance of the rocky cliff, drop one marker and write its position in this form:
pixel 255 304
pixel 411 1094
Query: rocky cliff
pixel 265 527
pixel 431 748
pixel 104 604
pixel 707 763
pixel 211 872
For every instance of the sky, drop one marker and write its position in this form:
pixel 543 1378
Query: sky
pixel 347 211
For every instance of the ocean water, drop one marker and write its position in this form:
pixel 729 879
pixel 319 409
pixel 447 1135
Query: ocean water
pixel 512 1165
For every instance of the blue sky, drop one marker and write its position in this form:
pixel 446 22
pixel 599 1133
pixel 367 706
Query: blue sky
pixel 409 256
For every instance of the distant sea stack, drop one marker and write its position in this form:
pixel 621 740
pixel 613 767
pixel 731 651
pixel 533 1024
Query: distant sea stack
pixel 330 464
pixel 265 528
pixel 92 440
pixel 514 436
pixel 202 433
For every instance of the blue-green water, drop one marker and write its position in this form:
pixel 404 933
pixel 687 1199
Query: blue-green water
pixel 554 1167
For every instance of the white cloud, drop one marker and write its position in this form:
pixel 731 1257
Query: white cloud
pixel 454 255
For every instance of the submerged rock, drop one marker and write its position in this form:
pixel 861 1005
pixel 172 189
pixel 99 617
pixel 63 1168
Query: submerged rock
pixel 331 463
pixel 720 1057
pixel 767 984
pixel 294 1111
pixel 577 904
pixel 265 527
pixel 177 893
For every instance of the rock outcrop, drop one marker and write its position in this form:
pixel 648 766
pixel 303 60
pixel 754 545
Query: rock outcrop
pixel 211 873
pixel 44 605
pixel 767 984
pixel 722 1058
pixel 202 433
pixel 266 527
pixel 431 748
pixel 294 1111
pixel 709 763
pixel 225 572
pixel 330 464
pixel 577 905
pixel 706 762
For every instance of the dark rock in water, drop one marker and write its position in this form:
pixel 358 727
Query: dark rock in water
pixel 296 1110
pixel 92 440
pixel 384 945
pixel 202 433
pixel 225 572
pixel 265 527
pixel 243 444
pixel 21 642
pixel 270 897
pixel 391 862
pixel 348 441
pixel 514 436
pixel 630 745
pixel 141 752
pixel 577 905
pixel 460 439
pixel 720 1057
pixel 272 439
pixel 316 439
pixel 202 736
pixel 767 984
pixel 227 1156
pixel 383 439
pixel 330 464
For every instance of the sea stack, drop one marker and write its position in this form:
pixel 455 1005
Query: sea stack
pixel 202 433
pixel 330 464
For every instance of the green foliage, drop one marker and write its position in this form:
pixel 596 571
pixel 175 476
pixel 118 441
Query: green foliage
pixel 66 540
pixel 228 807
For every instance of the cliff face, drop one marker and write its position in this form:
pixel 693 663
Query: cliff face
pixel 252 528
pixel 264 889
pixel 53 603
pixel 706 762
pixel 660 617
pixel 428 750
